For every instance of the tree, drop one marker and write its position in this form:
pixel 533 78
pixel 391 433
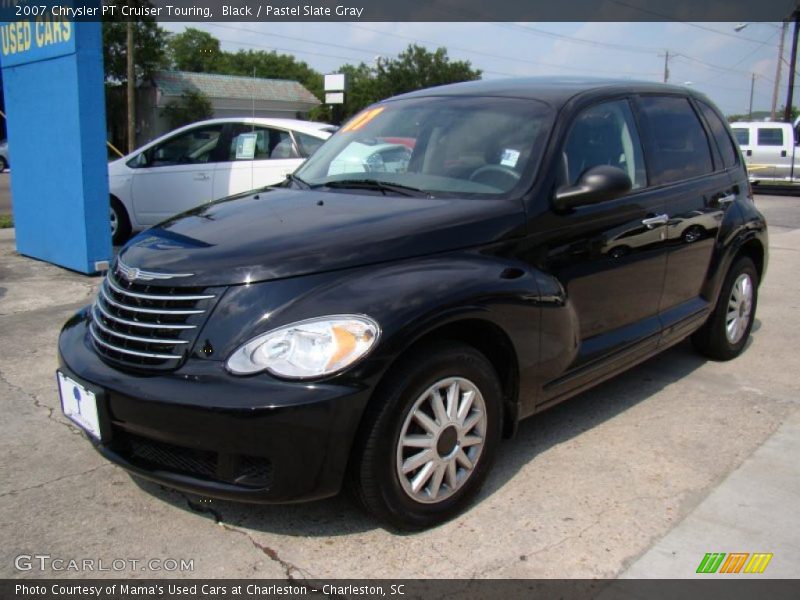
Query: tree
pixel 193 106
pixel 194 50
pixel 413 69
pixel 148 54
pixel 794 113
pixel 417 68
pixel 150 41
pixel 362 89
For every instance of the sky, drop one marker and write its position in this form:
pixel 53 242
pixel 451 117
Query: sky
pixel 711 57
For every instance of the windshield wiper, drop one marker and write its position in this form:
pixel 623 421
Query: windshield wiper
pixel 374 184
pixel 295 179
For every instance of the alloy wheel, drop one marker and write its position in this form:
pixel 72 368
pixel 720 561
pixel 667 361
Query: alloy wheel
pixel 441 440
pixel 740 305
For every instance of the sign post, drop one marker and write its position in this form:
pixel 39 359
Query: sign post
pixel 335 84
pixel 53 85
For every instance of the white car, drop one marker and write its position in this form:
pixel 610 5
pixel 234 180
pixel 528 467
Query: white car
pixel 205 161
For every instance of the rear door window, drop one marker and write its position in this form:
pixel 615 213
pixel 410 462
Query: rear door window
pixel 721 135
pixel 770 136
pixel 679 148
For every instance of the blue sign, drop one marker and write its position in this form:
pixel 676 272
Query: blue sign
pixel 46 37
pixel 55 109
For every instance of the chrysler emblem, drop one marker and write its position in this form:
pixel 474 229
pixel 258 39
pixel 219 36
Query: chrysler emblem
pixel 133 273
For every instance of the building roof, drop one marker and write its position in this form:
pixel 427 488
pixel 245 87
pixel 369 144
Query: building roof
pixel 174 83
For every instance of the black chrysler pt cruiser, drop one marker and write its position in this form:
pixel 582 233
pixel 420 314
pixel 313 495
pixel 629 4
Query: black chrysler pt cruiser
pixel 451 261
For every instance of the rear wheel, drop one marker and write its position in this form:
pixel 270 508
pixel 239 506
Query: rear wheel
pixel 3 164
pixel 120 223
pixel 429 438
pixel 727 330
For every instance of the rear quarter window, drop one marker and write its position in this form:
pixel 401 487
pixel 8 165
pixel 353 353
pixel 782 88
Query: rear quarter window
pixel 679 147
pixel 721 135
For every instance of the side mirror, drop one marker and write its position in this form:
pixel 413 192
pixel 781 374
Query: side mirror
pixel 595 185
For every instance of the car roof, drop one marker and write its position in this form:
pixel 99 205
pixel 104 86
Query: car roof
pixel 319 130
pixel 311 127
pixel 555 91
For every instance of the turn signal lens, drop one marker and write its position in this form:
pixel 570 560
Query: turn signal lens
pixel 307 349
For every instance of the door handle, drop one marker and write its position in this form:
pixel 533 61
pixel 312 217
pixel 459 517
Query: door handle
pixel 652 222
pixel 783 153
pixel 726 199
pixel 201 177
pixel 749 153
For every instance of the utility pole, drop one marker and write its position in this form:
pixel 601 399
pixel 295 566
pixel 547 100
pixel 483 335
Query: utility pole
pixel 778 69
pixel 752 87
pixel 787 113
pixel 666 66
pixel 131 90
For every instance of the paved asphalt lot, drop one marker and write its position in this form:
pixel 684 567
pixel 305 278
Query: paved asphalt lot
pixel 613 482
pixel 5 193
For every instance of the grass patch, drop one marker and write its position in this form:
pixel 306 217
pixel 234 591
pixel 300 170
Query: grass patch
pixel 6 221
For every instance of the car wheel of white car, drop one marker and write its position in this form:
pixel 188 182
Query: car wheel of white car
pixel 120 224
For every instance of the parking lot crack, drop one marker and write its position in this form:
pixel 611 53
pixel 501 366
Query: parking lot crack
pixel 51 413
pixel 51 481
pixel 201 508
pixel 290 570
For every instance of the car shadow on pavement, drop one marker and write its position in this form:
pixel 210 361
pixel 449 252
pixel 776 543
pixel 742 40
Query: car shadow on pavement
pixel 339 516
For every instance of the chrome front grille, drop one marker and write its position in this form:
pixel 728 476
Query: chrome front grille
pixel 147 326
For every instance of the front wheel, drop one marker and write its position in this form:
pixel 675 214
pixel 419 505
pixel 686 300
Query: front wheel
pixel 120 223
pixel 725 334
pixel 429 438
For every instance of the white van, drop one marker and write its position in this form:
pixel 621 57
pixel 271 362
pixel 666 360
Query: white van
pixel 770 151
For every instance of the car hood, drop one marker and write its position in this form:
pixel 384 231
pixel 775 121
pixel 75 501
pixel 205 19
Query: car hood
pixel 285 233
pixel 118 167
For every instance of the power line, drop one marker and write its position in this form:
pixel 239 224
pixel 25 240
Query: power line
pixel 349 59
pixel 688 24
pixel 298 39
pixel 577 40
pixel 715 67
pixel 276 48
pixel 428 43
pixel 498 56
pixel 534 31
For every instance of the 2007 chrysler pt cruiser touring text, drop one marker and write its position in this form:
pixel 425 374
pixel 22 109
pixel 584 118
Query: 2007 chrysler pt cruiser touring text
pixel 449 262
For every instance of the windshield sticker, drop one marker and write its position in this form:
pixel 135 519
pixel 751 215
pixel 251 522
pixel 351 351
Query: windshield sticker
pixel 359 121
pixel 509 157
pixel 246 146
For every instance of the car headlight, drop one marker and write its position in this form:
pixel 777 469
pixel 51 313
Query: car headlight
pixel 307 349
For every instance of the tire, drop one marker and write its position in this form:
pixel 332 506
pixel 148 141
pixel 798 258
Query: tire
pixel 718 338
pixel 120 223
pixel 376 476
pixel 3 164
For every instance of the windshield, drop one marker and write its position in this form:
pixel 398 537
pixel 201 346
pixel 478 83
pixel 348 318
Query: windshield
pixel 439 145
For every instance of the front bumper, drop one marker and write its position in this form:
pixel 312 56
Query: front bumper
pixel 202 430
